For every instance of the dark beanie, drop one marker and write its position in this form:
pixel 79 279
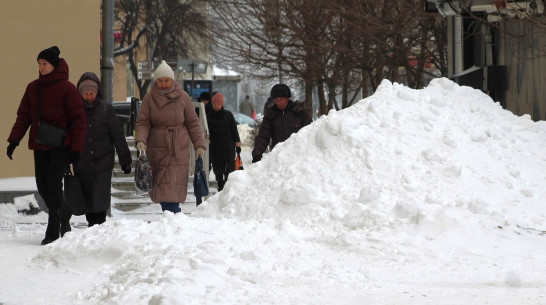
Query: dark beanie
pixel 280 90
pixel 51 55
pixel 204 96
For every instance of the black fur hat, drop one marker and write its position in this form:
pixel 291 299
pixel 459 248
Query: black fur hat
pixel 51 55
pixel 280 90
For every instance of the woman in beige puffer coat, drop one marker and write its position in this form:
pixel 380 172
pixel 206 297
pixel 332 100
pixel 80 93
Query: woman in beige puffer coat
pixel 165 125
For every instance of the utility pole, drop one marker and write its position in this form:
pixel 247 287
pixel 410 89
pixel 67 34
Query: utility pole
pixel 107 51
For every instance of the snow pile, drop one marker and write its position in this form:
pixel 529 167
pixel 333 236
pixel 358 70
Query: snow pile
pixel 365 167
pixel 408 197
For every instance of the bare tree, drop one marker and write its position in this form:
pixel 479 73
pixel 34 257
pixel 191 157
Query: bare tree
pixel 340 47
pixel 160 29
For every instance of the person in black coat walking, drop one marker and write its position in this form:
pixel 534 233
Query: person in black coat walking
pixel 224 140
pixel 104 136
pixel 282 118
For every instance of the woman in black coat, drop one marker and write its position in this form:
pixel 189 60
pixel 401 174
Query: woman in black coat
pixel 224 140
pixel 104 136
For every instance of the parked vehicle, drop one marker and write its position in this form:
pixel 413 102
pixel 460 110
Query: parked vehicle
pixel 123 112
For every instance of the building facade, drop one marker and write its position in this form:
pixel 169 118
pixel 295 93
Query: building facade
pixel 499 48
pixel 26 28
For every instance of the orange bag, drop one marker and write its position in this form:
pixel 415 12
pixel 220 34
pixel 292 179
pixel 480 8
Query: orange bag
pixel 238 162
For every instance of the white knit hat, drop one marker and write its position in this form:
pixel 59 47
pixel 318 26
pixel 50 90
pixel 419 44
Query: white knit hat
pixel 163 70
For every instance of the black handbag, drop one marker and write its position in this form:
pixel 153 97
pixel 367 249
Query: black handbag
pixel 73 193
pixel 200 185
pixel 48 134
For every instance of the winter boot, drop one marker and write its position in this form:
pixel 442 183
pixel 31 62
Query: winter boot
pixel 52 231
pixel 65 227
pixel 46 241
pixel 221 185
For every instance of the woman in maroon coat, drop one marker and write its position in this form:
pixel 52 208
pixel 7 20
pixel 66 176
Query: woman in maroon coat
pixel 61 106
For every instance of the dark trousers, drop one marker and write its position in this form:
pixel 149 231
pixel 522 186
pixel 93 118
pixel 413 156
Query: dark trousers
pixel 49 167
pixel 171 207
pixel 95 218
pixel 222 168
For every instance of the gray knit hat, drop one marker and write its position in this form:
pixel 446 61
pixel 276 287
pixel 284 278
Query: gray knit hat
pixel 88 85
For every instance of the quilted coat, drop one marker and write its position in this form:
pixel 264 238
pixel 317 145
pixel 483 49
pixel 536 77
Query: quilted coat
pixel 103 138
pixel 167 123
pixel 60 106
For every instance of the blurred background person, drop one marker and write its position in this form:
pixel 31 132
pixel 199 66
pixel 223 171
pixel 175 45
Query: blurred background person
pixel 224 140
pixel 247 108
pixel 204 98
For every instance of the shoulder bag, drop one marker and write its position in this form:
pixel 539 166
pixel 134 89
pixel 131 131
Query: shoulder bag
pixel 48 134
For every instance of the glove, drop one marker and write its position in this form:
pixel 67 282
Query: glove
pixel 11 148
pixel 256 159
pixel 141 146
pixel 74 157
pixel 238 149
pixel 126 169
pixel 199 152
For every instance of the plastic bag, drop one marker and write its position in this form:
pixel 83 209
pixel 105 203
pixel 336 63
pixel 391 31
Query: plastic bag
pixel 238 162
pixel 143 173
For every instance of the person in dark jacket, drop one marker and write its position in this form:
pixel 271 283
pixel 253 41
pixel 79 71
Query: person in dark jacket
pixel 224 140
pixel 103 138
pixel 204 98
pixel 282 119
pixel 60 105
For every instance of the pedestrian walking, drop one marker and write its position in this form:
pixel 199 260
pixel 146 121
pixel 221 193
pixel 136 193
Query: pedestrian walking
pixel 165 125
pixel 282 118
pixel 247 108
pixel 103 138
pixel 224 140
pixel 52 102
pixel 205 99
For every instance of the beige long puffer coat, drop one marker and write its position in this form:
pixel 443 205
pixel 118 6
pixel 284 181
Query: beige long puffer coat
pixel 166 123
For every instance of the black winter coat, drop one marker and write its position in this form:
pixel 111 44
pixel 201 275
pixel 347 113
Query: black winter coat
pixel 278 125
pixel 223 135
pixel 104 136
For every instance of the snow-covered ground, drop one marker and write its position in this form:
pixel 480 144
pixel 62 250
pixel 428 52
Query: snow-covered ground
pixel 433 196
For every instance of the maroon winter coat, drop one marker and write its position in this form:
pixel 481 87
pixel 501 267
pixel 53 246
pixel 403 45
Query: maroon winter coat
pixel 167 123
pixel 61 106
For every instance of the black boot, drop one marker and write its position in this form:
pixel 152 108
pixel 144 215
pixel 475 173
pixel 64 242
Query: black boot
pixel 221 185
pixel 46 241
pixel 52 231
pixel 65 227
